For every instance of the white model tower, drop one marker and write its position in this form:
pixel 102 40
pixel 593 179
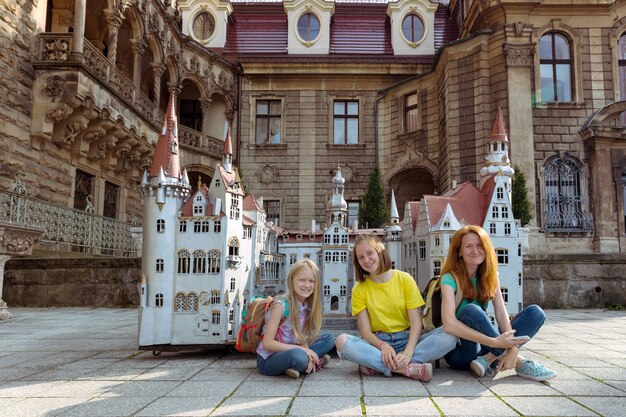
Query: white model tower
pixel 394 234
pixel 163 190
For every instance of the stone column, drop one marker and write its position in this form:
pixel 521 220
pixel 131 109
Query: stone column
pixel 139 47
pixel 78 37
pixel 519 60
pixel 4 311
pixel 205 103
pixel 114 21
pixel 157 71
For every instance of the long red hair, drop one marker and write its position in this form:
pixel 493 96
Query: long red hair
pixel 487 272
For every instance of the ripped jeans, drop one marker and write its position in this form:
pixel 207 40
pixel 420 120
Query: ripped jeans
pixel 430 346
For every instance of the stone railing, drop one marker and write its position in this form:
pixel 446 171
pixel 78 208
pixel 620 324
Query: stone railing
pixel 67 229
pixel 199 141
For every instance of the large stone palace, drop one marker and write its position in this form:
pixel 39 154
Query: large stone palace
pixel 309 85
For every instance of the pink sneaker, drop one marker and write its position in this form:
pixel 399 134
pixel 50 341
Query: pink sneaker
pixel 419 371
pixel 368 371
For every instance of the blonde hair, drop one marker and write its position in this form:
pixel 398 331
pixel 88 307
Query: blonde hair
pixel 487 273
pixel 384 259
pixel 313 323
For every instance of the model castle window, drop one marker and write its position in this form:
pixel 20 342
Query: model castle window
pixel 183 261
pixel 159 265
pixel 160 226
pixel 215 297
pixel 217 226
pixel 182 228
pixel 199 262
pixel 158 300
pixel 503 256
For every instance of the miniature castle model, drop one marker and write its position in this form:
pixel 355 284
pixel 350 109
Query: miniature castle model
pixel 201 252
pixel 430 224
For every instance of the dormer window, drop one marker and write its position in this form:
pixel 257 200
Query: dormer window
pixel 203 26
pixel 308 28
pixel 217 183
pixel 413 29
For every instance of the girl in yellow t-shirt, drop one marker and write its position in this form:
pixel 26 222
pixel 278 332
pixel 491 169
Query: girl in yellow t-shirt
pixel 386 305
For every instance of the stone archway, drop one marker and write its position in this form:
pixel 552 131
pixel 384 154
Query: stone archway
pixel 410 185
pixel 198 172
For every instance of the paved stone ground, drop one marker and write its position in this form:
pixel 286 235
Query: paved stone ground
pixel 84 362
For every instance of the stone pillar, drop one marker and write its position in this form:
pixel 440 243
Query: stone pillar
pixel 519 60
pixel 157 71
pixel 139 47
pixel 15 239
pixel 605 209
pixel 205 103
pixel 114 21
pixel 78 37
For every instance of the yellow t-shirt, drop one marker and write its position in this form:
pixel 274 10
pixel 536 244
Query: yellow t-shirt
pixel 387 303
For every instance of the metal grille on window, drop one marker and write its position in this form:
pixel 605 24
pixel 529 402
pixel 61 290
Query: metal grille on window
pixel 566 198
pixel 111 196
pixel 82 190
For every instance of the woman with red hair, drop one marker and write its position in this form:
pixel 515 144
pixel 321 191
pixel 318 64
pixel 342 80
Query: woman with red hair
pixel 472 267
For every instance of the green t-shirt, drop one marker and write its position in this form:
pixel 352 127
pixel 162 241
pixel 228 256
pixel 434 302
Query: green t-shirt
pixel 448 279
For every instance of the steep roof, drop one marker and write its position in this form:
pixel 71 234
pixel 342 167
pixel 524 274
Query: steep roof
pixel 187 209
pixel 360 30
pixel 166 151
pixel 467 202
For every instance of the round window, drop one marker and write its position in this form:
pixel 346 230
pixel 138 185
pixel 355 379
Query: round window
pixel 308 27
pixel 203 26
pixel 412 28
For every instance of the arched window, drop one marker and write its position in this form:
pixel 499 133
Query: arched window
pixel 215 259
pixel 160 225
pixel 183 261
pixel 192 302
pixel 159 265
pixel 565 196
pixel 158 300
pixel 233 247
pixel 180 302
pixel 555 66
pixel 199 262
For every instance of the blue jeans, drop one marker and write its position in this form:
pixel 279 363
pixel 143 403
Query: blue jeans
pixel 526 323
pixel 430 346
pixel 297 359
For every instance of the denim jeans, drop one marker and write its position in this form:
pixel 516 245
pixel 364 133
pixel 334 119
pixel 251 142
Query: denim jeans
pixel 297 359
pixel 432 345
pixel 526 323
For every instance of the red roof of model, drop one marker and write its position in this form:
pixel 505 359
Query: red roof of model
pixel 467 202
pixel 498 133
pixel 166 151
pixel 187 209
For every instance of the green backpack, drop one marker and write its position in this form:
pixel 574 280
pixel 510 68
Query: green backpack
pixel 431 311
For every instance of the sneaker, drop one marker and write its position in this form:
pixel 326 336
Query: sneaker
pixel 292 373
pixel 479 366
pixel 368 371
pixel 323 362
pixel 535 371
pixel 420 371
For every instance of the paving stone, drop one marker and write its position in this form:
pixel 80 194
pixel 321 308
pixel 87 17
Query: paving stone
pixel 608 408
pixel 473 406
pixel 242 406
pixel 399 406
pixel 326 406
pixel 519 387
pixel 150 389
pixel 280 387
pixel 330 388
pixel 27 389
pixel 393 387
pixel 586 387
pixel 108 407
pixel 548 406
pixel 37 407
pixel 204 388
pixel 180 406
pixel 458 389
pixel 215 374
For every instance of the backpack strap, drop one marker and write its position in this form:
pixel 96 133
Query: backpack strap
pixel 458 295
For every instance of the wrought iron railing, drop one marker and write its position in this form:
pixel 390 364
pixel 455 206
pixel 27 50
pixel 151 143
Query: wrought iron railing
pixel 68 229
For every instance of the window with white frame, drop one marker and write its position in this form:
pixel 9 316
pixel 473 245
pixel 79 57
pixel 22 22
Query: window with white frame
pixel 217 226
pixel 492 228
pixel 505 294
pixel 503 256
pixel 505 212
pixel 233 284
pixel 234 207
pixel 182 227
pixel 292 258
pixel 436 268
pixel 214 261
pixel 179 302
pixel 326 289
pixel 197 226
pixel 215 317
pixel 507 228
pixel 342 291
pixel 159 265
pixel 192 302
pixel 215 297
pixel 199 262
pixel 495 212
pixel 160 226
pixel 422 249
pixel 499 193
pixel 158 300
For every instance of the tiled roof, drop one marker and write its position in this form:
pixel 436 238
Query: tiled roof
pixel 257 28
pixel 362 29
pixel 467 202
pixel 446 29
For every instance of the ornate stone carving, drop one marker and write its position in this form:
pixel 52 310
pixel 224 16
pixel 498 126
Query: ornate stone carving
pixel 72 129
pixel 17 239
pixel 268 174
pixel 520 56
pixel 60 113
pixel 55 86
pixel 56 50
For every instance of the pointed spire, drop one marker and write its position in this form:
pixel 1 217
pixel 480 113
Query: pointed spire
pixel 498 133
pixel 227 161
pixel 185 177
pixel 394 216
pixel 166 153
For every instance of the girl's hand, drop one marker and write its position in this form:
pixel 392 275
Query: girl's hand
pixel 509 359
pixel 312 355
pixel 505 340
pixel 310 367
pixel 389 356
pixel 403 359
